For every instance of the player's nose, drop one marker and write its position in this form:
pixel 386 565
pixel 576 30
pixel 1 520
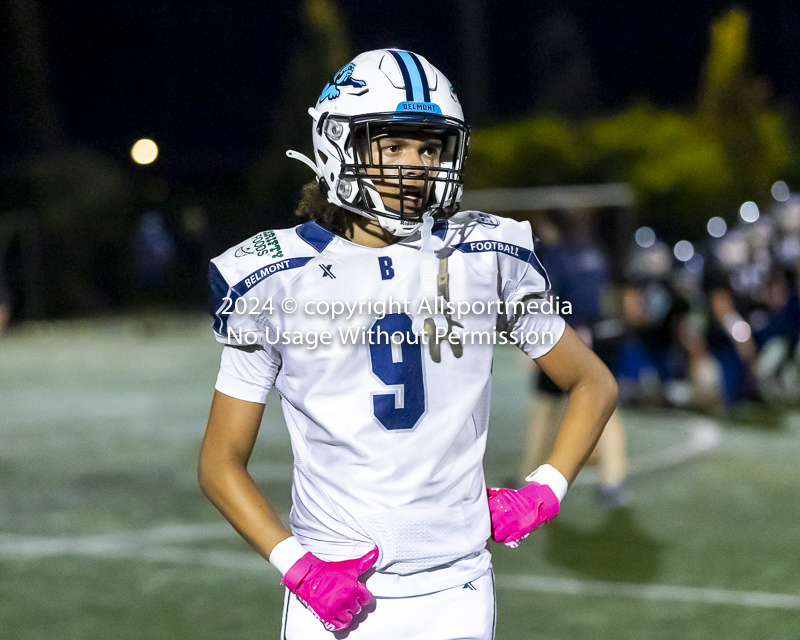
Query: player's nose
pixel 414 168
pixel 413 157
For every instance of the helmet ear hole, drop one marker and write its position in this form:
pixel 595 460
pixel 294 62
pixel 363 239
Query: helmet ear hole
pixel 320 122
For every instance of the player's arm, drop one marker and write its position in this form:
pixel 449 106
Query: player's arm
pixel 592 399
pixel 592 393
pixel 331 590
pixel 222 472
pixel 572 366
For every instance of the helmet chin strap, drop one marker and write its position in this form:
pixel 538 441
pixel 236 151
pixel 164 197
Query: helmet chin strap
pixel 395 226
pixel 428 270
pixel 399 228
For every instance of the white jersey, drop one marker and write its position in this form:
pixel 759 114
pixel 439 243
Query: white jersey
pixel 388 439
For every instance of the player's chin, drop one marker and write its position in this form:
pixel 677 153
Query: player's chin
pixel 409 209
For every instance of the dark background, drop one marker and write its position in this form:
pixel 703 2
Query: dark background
pixel 204 78
pixel 223 87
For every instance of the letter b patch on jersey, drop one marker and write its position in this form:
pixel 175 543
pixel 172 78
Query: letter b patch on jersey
pixel 387 272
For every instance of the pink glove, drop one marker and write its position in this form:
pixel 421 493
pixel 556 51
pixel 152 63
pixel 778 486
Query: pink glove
pixel 331 590
pixel 516 513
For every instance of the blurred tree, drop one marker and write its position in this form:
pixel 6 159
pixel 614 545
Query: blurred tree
pixel 82 198
pixel 563 67
pixel 734 105
pixel 78 190
pixel 677 167
pixel 84 202
pixel 538 151
pixel 322 49
pixel 685 167
pixel 37 111
pixel 474 64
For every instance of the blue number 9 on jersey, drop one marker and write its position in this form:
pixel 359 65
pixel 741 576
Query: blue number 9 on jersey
pixel 400 366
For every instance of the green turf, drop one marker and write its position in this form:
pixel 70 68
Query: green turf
pixel 99 431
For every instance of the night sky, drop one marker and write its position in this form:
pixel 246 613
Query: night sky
pixel 203 77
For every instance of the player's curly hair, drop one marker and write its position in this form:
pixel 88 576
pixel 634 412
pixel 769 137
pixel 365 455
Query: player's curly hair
pixel 314 206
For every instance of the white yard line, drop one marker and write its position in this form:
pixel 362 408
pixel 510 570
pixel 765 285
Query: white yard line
pixel 704 436
pixel 15 546
pixel 569 586
pixel 236 560
pixel 157 545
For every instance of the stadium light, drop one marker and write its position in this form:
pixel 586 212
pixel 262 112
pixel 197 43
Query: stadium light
pixel 645 237
pixel 741 331
pixel 780 191
pixel 695 264
pixel 749 211
pixel 144 151
pixel 683 250
pixel 717 227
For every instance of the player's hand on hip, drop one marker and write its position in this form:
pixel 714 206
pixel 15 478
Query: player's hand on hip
pixel 515 513
pixel 331 590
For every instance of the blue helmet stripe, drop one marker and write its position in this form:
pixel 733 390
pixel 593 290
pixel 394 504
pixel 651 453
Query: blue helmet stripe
pixel 413 75
pixel 416 79
pixel 406 77
pixel 426 92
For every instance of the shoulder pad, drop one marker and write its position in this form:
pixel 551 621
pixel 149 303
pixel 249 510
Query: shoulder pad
pixel 273 250
pixel 477 233
pixel 476 225
pixel 266 261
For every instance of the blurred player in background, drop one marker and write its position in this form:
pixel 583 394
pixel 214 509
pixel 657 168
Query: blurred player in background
pixel 579 274
pixel 391 514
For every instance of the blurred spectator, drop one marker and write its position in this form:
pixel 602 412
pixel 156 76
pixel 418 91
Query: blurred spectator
pixel 782 315
pixel 193 252
pixel 666 359
pixel 694 376
pixel 787 242
pixel 153 254
pixel 776 331
pixel 578 269
pixel 636 367
pixel 730 339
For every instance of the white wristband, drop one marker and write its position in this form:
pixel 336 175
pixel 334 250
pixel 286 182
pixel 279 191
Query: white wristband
pixel 549 475
pixel 285 554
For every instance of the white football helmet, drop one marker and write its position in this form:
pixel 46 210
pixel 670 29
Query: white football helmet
pixel 387 90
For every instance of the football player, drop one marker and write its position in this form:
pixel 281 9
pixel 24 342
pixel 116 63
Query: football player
pixel 388 416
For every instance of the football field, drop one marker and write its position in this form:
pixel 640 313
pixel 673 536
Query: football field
pixel 105 534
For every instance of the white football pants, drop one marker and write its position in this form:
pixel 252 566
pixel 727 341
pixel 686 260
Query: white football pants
pixel 465 612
